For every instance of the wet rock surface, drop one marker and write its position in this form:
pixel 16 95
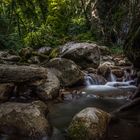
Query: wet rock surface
pixel 89 124
pixel 59 81
pixel 104 69
pixel 49 88
pixel 66 70
pixel 83 54
pixel 17 74
pixel 25 119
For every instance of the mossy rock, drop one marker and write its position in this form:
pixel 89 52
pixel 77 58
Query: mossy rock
pixel 54 53
pixel 89 124
pixel 25 54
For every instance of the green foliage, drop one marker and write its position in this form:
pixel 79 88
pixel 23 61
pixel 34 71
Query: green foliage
pixel 54 53
pixel 116 49
pixel 37 23
pixel 9 38
pixel 87 36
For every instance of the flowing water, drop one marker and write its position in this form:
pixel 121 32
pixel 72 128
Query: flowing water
pixel 106 97
pixel 112 77
pixel 90 81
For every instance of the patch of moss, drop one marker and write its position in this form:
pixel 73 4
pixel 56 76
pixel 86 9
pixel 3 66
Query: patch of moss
pixel 77 131
pixel 54 53
pixel 116 49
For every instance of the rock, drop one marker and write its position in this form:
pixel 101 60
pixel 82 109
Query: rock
pixel 25 53
pixel 7 58
pixel 45 50
pixel 83 54
pixel 104 50
pixel 104 69
pixel 89 124
pixel 17 74
pixel 34 60
pixel 12 58
pixel 91 70
pixel 66 70
pixel 107 58
pixel 49 88
pixel 119 73
pixel 24 119
pixel 122 62
pixel 42 54
pixel 45 89
pixel 5 91
pixel 3 54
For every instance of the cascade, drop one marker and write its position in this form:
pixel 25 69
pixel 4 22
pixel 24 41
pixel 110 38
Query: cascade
pixel 90 81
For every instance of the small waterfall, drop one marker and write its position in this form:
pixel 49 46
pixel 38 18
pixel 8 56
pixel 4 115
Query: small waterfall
pixel 90 81
pixel 112 77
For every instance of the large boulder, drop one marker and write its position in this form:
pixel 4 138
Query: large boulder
pixel 49 88
pixel 83 54
pixel 89 124
pixel 25 119
pixel 18 74
pixel 66 70
pixel 30 81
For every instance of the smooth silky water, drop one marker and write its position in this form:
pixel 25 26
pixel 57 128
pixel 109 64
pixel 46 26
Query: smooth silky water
pixel 61 114
pixel 106 97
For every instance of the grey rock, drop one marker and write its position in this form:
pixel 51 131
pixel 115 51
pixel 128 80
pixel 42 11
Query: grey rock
pixel 66 70
pixel 83 54
pixel 25 119
pixel 89 124
pixel 49 88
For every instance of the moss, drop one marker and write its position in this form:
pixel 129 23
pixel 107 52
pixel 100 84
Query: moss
pixel 54 53
pixel 88 37
pixel 77 131
pixel 116 50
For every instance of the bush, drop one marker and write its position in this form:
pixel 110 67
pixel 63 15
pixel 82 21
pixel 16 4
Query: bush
pixel 116 49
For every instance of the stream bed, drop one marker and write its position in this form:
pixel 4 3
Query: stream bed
pixel 105 97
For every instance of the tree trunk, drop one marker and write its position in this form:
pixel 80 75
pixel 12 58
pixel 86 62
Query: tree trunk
pixel 132 43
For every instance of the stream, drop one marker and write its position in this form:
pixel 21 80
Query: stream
pixel 106 97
